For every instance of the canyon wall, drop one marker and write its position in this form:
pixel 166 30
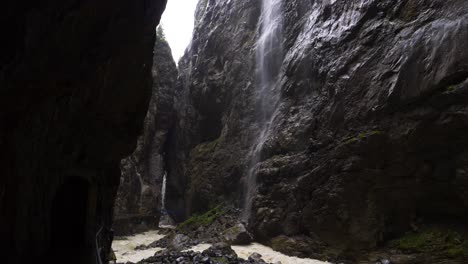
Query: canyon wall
pixel 75 83
pixel 138 202
pixel 209 143
pixel 368 139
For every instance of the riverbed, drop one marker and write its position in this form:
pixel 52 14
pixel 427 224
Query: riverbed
pixel 124 248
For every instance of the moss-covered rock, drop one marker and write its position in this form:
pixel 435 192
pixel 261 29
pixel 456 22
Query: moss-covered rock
pixel 438 241
pixel 222 260
pixel 201 171
pixel 362 136
pixel 299 246
pixel 201 220
pixel 237 235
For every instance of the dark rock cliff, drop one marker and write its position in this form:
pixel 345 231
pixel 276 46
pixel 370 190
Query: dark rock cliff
pixel 138 202
pixel 75 82
pixel 369 136
pixel 210 140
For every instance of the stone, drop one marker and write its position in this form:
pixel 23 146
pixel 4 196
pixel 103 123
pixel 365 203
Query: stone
pixel 219 250
pixel 216 254
pixel 179 242
pixel 237 235
pixel 300 246
pixel 255 257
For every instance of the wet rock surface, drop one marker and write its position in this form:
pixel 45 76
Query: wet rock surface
pixel 219 225
pixel 217 254
pixel 237 235
pixel 368 139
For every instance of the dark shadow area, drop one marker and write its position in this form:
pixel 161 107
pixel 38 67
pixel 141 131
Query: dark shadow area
pixel 68 222
pixel 211 127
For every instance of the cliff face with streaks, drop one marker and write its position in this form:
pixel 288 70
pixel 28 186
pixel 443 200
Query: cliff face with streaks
pixel 75 83
pixel 367 139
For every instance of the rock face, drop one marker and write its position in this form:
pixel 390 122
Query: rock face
pixel 210 139
pixel 139 197
pixel 75 82
pixel 368 138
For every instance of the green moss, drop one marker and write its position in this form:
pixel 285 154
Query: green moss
pixel 201 220
pixel 363 135
pixel 281 244
pixel 233 230
pixel 199 156
pixel 204 149
pixel 433 240
pixel 457 251
pixel 222 260
pixel 450 89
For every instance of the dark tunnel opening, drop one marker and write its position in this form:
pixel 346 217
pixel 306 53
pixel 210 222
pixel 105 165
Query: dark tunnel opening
pixel 69 219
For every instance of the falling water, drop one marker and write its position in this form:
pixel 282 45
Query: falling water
pixel 269 57
pixel 165 221
pixel 163 193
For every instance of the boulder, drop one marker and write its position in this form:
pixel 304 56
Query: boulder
pixel 237 235
pixel 219 250
pixel 179 242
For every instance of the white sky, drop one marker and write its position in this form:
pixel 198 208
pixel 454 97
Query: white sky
pixel 177 22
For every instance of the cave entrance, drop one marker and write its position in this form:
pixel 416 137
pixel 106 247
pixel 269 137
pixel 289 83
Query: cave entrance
pixel 69 220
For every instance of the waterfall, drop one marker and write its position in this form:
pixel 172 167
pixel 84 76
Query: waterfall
pixel 163 194
pixel 269 57
pixel 165 221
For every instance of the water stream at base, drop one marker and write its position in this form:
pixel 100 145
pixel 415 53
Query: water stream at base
pixel 268 254
pixel 269 57
pixel 124 248
pixel 163 192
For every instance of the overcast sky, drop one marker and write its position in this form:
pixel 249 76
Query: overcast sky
pixel 177 22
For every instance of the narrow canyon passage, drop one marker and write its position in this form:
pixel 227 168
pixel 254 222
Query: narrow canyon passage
pixel 321 130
